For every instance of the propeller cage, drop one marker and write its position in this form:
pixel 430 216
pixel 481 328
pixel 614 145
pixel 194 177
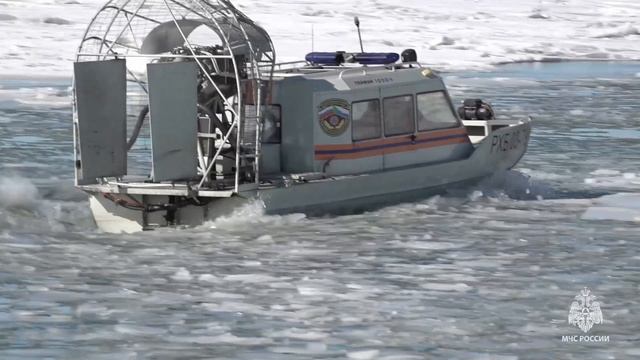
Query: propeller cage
pixel 171 91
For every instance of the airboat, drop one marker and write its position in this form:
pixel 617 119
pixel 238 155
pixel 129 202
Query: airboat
pixel 182 114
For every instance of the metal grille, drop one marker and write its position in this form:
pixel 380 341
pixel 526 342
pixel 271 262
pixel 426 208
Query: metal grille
pixel 239 54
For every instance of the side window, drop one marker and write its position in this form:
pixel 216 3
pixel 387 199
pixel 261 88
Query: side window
pixel 434 112
pixel 366 120
pixel 399 115
pixel 272 124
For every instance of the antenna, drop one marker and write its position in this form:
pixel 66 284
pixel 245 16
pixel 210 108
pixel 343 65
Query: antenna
pixel 356 21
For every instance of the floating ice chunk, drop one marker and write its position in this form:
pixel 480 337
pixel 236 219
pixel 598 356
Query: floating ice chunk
pixel 252 278
pixel 182 275
pixel 635 352
pixel 34 97
pixel 611 213
pixel 444 41
pixel 265 238
pixel 426 245
pixel 225 338
pixel 242 341
pixel 309 349
pixel 7 17
pixel 92 309
pixel 401 357
pixel 221 295
pixel 299 334
pixel 614 179
pixel 477 356
pixel 191 339
pixel 619 32
pixel 316 347
pixel 138 330
pixel 459 287
pixel 37 288
pixel 311 291
pixel 363 355
pixel 498 224
pixel 56 21
pixel 207 278
pixel 235 307
pixel 605 172
pixel 251 263
pixel 576 112
pixel 618 207
pixel 541 175
pixel 539 15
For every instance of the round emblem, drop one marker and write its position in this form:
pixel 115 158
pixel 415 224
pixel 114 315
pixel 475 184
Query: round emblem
pixel 334 115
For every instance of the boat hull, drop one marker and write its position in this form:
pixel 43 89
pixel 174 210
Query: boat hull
pixel 499 151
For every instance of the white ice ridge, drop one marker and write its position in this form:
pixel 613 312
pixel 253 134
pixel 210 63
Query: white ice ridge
pixel 39 37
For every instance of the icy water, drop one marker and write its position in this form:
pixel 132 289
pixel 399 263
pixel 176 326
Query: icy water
pixel 483 273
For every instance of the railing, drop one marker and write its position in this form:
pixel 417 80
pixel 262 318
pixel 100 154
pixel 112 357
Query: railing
pixel 220 15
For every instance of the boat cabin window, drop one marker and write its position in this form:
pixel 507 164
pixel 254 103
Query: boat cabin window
pixel 366 120
pixel 399 115
pixel 272 124
pixel 434 112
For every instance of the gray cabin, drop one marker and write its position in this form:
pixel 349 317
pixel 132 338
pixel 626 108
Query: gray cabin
pixel 353 120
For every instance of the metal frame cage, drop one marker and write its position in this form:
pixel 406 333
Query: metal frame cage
pixel 216 59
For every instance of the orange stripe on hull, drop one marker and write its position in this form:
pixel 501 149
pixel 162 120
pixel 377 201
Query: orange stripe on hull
pixel 390 141
pixel 392 150
pixel 425 146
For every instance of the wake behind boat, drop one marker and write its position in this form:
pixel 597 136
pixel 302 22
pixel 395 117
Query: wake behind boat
pixel 226 124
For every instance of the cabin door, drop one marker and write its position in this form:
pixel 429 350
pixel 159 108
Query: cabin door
pixel 348 132
pixel 399 127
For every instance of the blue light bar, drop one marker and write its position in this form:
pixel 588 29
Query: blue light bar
pixel 376 58
pixel 325 58
pixel 338 58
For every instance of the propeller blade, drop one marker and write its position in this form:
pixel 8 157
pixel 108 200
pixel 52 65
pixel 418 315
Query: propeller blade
pixel 166 36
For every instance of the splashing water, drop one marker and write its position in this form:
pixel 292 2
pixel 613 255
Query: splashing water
pixel 18 193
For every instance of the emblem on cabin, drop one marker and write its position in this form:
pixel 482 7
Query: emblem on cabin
pixel 334 116
pixel 585 311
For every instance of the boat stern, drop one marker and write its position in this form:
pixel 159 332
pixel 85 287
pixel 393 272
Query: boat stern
pixel 126 213
pixel 503 146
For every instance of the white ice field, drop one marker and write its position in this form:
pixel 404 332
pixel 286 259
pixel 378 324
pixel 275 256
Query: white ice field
pixel 39 37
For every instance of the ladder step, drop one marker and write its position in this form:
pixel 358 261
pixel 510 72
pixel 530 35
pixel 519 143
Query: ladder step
pixel 208 135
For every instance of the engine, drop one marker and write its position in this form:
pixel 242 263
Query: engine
pixel 476 109
pixel 211 110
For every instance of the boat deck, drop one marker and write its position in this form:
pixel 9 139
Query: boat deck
pixel 133 188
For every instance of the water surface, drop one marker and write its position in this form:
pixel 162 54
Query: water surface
pixel 483 273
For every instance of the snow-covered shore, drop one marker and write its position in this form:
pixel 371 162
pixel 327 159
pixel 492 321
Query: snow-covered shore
pixel 41 36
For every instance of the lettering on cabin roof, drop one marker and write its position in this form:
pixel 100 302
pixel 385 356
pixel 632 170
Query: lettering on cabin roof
pixel 374 81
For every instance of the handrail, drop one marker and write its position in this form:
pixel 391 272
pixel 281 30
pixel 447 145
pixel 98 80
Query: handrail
pixel 156 56
pixel 344 72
